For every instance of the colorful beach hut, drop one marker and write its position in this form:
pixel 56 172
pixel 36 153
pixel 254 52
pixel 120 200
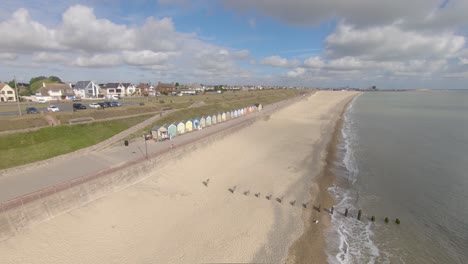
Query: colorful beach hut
pixel 228 115
pixel 223 116
pixel 188 126
pixel 219 118
pixel 171 130
pixel 196 123
pixel 159 133
pixel 203 122
pixel 236 114
pixel 180 128
pixel 208 121
pixel 214 121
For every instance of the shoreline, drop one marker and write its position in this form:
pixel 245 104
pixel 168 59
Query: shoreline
pixel 307 247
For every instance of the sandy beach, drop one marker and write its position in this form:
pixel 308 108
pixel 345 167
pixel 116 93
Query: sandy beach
pixel 172 217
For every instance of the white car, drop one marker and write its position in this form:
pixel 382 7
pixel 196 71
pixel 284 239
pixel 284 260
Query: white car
pixel 41 101
pixel 94 105
pixel 53 108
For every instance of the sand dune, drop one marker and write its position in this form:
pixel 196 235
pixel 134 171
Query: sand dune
pixel 172 217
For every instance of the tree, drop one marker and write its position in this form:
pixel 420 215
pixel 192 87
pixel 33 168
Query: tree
pixel 176 84
pixel 35 79
pixel 12 84
pixel 54 79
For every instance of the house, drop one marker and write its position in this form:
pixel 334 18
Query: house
pixel 171 130
pixel 188 126
pixel 196 123
pixel 112 90
pixel 208 121
pixel 87 89
pixel 7 94
pixel 166 87
pixel 146 89
pixel 159 133
pixel 131 90
pixel 203 122
pixel 56 91
pixel 219 118
pixel 223 116
pixel 180 127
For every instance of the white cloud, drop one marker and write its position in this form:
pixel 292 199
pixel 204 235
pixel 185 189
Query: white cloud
pixel 391 43
pixel 145 57
pixel 47 57
pixel 296 72
pixel 314 62
pixel 277 61
pixel 98 60
pixel 8 56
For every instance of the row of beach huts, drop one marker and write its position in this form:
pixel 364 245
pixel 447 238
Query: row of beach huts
pixel 168 131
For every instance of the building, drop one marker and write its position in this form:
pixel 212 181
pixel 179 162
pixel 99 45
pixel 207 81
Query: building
pixel 171 130
pixel 56 91
pixel 112 90
pixel 219 118
pixel 181 127
pixel 214 120
pixel 196 123
pixel 7 94
pixel 203 122
pixel 188 125
pixel 160 133
pixel 166 87
pixel 87 89
pixel 208 121
pixel 131 90
pixel 146 89
pixel 223 116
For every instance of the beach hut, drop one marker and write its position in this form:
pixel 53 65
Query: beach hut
pixel 219 118
pixel 249 110
pixel 171 130
pixel 214 120
pixel 188 126
pixel 223 116
pixel 203 122
pixel 259 107
pixel 228 115
pixel 208 121
pixel 241 111
pixel 180 128
pixel 196 123
pixel 159 133
pixel 236 114
pixel 232 114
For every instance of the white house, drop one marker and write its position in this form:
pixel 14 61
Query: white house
pixel 7 94
pixel 87 89
pixel 111 90
pixel 56 91
pixel 130 89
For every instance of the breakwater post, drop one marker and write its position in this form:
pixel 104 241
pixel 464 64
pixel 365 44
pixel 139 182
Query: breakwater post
pixel 359 215
pixel 346 212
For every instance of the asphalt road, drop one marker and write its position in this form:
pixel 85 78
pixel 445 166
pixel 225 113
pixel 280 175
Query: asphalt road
pixel 64 107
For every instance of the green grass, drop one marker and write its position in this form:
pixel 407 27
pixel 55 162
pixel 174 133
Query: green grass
pixel 22 148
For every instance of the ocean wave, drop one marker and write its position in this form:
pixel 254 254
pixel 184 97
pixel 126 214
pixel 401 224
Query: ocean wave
pixel 349 240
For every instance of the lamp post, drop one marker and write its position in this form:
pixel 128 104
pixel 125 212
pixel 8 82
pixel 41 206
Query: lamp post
pixel 17 98
pixel 146 146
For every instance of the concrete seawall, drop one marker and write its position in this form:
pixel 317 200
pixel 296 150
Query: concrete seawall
pixel 29 210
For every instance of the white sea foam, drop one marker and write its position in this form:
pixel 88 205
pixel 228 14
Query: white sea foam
pixel 350 240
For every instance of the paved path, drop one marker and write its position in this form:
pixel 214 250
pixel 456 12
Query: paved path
pixel 103 156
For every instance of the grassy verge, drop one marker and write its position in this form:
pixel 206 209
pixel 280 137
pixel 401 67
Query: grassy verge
pixel 22 148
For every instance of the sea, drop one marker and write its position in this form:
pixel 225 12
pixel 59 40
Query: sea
pixel 402 155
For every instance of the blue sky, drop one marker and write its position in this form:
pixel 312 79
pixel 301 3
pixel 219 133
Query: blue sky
pixel 337 43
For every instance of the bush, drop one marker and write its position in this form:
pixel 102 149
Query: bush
pixel 142 104
pixel 161 101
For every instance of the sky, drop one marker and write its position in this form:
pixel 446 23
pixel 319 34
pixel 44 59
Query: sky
pixel 302 43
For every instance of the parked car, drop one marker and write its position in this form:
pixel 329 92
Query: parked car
pixel 108 104
pixel 78 106
pixel 41 101
pixel 115 104
pixel 94 105
pixel 76 99
pixel 31 110
pixel 53 108
pixel 102 105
